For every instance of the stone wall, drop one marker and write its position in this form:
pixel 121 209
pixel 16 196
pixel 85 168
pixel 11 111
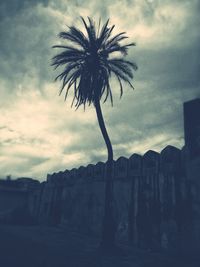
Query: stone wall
pixel 154 202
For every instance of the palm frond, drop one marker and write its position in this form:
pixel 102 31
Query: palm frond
pixel 121 74
pixel 124 66
pixel 104 34
pixel 73 38
pixel 90 31
pixel 119 48
pixel 67 70
pixel 68 48
pixel 80 37
pixel 87 63
pixel 117 38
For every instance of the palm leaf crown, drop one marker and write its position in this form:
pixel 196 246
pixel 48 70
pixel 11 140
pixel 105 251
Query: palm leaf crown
pixel 89 61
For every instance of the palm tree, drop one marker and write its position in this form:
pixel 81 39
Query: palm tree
pixel 89 60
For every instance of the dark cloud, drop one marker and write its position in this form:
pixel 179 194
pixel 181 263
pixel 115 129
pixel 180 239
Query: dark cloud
pixel 9 8
pixel 171 68
pixel 27 33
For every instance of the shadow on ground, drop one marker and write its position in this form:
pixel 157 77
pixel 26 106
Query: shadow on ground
pixel 37 246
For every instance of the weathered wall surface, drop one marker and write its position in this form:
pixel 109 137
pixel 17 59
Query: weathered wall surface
pixel 13 205
pixel 193 192
pixel 11 199
pixel 156 199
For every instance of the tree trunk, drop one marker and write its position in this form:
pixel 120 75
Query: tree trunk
pixel 108 229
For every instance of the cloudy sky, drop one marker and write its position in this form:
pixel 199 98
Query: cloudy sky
pixel 40 133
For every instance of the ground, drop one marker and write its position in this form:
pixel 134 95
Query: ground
pixel 39 246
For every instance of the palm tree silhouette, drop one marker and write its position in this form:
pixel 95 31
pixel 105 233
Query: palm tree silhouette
pixel 89 60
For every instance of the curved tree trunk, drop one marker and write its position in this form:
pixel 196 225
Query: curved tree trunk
pixel 108 229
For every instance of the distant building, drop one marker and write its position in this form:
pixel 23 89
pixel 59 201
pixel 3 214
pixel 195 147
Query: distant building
pixel 14 199
pixel 192 127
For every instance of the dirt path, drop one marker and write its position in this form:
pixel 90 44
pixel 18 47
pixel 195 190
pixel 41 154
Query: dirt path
pixel 53 247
